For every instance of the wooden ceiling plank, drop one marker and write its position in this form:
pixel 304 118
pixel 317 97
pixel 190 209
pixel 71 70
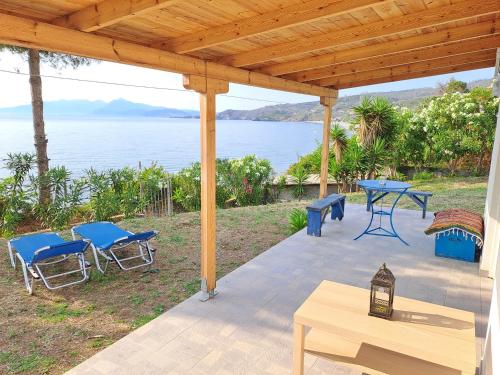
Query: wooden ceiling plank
pixel 420 66
pixel 433 72
pixel 27 33
pixel 405 57
pixel 393 46
pixel 286 17
pixel 458 11
pixel 109 12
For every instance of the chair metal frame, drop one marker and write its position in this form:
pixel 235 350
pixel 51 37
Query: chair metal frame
pixel 145 252
pixel 34 272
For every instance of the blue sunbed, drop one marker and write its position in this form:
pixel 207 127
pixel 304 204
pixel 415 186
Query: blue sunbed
pixel 106 238
pixel 34 251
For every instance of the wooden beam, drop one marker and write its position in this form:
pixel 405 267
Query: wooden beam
pixel 399 45
pixel 208 89
pixel 428 73
pixel 108 12
pixel 31 34
pixel 327 104
pixel 406 57
pixel 429 17
pixel 286 17
pixel 399 70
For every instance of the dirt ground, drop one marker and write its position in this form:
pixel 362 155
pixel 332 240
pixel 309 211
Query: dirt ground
pixel 50 332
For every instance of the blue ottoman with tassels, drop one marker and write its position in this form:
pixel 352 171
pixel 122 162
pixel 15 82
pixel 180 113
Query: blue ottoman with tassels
pixel 459 234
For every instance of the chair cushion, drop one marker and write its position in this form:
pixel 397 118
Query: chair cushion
pixel 26 246
pixel 102 234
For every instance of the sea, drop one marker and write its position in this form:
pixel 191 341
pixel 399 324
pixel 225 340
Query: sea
pixel 80 144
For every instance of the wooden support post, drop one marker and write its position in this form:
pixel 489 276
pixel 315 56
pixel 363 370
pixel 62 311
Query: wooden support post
pixel 327 103
pixel 208 88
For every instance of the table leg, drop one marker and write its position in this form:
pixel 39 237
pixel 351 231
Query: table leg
pixel 298 349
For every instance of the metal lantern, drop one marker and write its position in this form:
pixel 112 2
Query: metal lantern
pixel 382 293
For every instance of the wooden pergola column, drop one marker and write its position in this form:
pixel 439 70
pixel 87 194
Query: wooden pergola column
pixel 208 88
pixel 327 103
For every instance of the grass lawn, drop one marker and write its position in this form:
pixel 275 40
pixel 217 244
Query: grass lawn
pixel 52 331
pixel 451 192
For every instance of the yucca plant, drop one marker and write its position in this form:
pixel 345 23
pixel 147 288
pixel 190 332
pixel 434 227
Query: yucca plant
pixel 339 141
pixel 374 118
pixel 299 176
pixel 376 157
pixel 297 220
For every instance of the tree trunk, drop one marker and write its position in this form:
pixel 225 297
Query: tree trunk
pixel 38 125
pixel 479 164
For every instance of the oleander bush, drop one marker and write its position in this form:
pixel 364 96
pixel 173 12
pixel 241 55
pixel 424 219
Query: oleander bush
pixel 244 181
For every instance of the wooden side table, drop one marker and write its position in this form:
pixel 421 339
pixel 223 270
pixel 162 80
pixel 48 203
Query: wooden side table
pixel 421 338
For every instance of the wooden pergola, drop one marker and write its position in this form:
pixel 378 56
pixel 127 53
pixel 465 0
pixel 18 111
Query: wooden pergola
pixel 313 47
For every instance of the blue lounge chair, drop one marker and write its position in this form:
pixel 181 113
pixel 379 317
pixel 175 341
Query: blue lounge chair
pixel 106 238
pixel 36 251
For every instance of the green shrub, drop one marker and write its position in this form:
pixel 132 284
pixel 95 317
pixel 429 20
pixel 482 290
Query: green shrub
pixel 278 188
pixel 423 175
pixel 398 176
pixel 246 180
pixel 297 220
pixel 104 202
pixel 310 163
pixel 66 196
pixel 187 187
pixel 16 198
pixel 299 177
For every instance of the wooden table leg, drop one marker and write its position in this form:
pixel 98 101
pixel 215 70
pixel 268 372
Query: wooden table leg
pixel 298 349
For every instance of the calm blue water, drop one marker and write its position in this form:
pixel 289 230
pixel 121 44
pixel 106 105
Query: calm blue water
pixel 173 143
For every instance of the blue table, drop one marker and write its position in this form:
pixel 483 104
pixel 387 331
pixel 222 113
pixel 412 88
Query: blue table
pixel 377 190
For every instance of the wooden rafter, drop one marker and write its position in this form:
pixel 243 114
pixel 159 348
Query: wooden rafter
pixel 109 12
pixel 461 33
pixel 23 32
pixel 434 16
pixel 407 57
pixel 429 73
pixel 286 17
pixel 407 69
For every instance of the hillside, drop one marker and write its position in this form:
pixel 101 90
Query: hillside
pixel 312 111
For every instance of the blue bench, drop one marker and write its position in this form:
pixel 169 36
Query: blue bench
pixel 419 197
pixel 317 211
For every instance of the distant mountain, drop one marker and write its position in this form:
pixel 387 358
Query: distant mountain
pixel 313 111
pixel 87 108
pixel 309 111
pixel 56 108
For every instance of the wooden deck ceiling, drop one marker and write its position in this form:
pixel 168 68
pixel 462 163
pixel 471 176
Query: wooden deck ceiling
pixel 312 46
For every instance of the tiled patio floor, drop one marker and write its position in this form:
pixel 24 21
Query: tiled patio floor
pixel 247 328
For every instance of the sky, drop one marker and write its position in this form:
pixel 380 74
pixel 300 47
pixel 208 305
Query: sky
pixel 15 88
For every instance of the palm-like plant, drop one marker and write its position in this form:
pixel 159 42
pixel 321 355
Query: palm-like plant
pixel 374 118
pixel 376 157
pixel 299 177
pixel 339 141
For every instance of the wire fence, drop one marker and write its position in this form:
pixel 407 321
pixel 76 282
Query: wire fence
pixel 158 201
